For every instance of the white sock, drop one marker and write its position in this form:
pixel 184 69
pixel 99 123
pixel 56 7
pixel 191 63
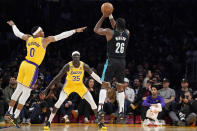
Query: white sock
pixel 16 113
pixel 121 98
pixel 102 97
pixel 99 107
pixel 10 109
pixel 51 117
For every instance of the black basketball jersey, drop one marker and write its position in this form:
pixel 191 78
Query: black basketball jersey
pixel 116 47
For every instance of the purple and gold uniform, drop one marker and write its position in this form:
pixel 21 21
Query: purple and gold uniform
pixel 74 80
pixel 28 71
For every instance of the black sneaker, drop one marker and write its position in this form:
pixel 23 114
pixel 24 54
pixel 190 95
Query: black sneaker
pixel 120 118
pixel 100 116
pixel 47 126
pixel 102 126
pixel 14 121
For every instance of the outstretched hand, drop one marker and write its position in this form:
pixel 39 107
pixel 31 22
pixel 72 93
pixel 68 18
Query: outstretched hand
pixel 10 22
pixel 106 84
pixel 80 29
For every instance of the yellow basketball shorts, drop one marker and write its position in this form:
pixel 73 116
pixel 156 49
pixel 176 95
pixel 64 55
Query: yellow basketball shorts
pixel 28 73
pixel 80 89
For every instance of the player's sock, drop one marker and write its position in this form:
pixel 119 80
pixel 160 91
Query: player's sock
pixel 10 109
pixel 51 117
pixel 121 98
pixel 102 97
pixel 16 113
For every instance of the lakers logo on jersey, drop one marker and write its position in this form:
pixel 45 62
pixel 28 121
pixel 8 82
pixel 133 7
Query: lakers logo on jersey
pixel 35 51
pixel 75 74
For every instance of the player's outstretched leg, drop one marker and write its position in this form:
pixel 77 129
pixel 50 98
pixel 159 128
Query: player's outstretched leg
pixel 57 105
pixel 13 100
pixel 90 100
pixel 22 100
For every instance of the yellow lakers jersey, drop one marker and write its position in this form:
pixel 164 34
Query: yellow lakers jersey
pixel 35 50
pixel 75 75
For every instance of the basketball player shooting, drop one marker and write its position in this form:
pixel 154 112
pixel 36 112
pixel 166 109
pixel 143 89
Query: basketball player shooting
pixel 36 45
pixel 117 41
pixel 73 83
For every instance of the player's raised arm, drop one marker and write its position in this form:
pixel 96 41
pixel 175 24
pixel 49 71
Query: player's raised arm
pixel 61 36
pixel 103 31
pixel 112 21
pixel 98 29
pixel 17 31
pixel 57 77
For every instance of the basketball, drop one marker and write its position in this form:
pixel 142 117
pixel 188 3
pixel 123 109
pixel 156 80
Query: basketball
pixel 107 8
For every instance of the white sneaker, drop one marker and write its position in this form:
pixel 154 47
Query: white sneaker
pixel 147 122
pixel 157 123
pixel 86 120
pixel 66 120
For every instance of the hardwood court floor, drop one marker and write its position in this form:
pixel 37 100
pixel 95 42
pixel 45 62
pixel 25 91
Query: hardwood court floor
pixel 93 127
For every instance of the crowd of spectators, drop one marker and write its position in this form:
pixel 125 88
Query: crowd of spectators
pixel 163 37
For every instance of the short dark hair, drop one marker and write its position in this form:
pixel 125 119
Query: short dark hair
pixel 34 29
pixel 120 22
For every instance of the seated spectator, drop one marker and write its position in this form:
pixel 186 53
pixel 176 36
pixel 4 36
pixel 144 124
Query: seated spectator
pixel 66 110
pixel 110 106
pixel 185 114
pixel 152 107
pixel 51 99
pixel 184 88
pixel 69 104
pixel 84 106
pixel 169 96
pixel 140 97
pixel 9 90
pixel 129 96
pixel 36 110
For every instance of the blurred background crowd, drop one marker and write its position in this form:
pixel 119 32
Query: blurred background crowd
pixel 161 53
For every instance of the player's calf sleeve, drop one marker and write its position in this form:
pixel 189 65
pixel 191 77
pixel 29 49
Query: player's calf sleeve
pixel 121 99
pixel 90 100
pixel 17 92
pixel 102 97
pixel 25 95
pixel 61 99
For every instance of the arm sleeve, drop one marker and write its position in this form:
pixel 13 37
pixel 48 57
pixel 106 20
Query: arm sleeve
pixel 17 32
pixel 64 35
pixel 96 77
